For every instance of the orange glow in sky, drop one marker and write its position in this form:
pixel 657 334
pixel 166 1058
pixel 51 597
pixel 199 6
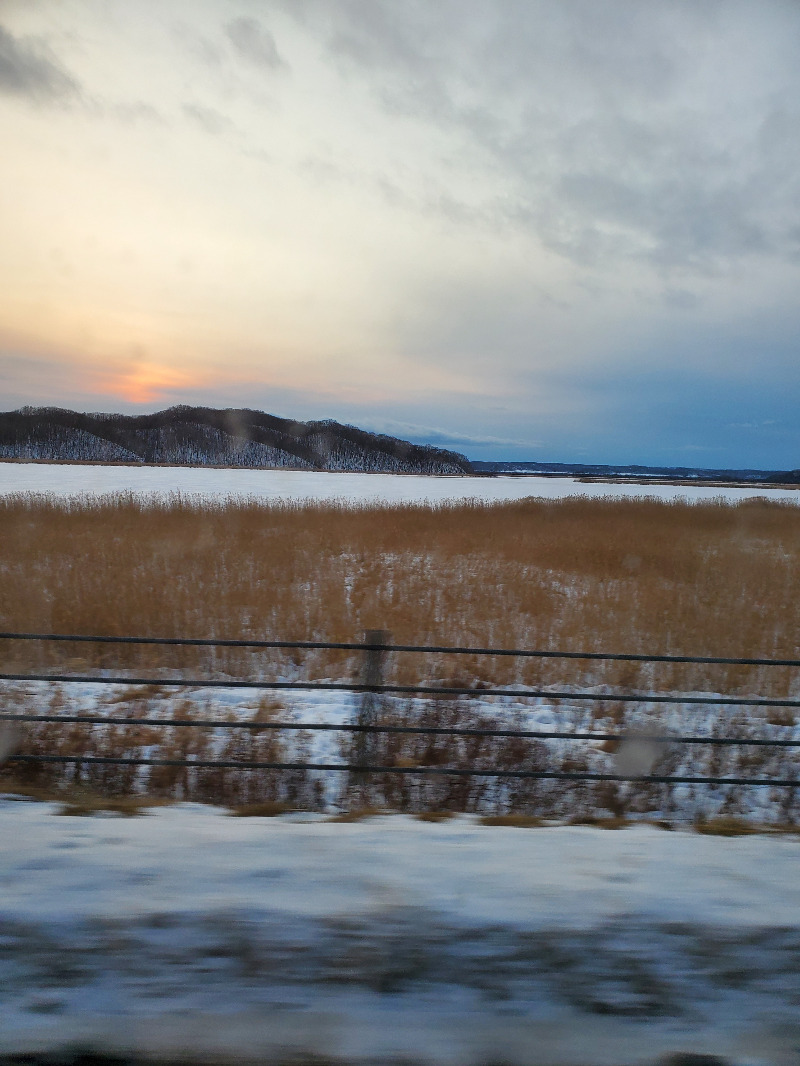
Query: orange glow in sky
pixel 146 382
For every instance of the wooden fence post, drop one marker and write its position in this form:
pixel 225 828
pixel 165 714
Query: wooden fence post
pixel 376 643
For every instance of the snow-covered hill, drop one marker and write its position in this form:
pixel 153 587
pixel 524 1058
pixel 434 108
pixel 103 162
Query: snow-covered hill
pixel 203 436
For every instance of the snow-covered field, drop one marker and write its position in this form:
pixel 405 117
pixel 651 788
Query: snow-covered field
pixel 190 933
pixel 209 483
pixel 680 804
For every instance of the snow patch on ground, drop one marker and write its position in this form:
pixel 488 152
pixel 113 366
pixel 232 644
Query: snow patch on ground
pixel 683 803
pixel 188 930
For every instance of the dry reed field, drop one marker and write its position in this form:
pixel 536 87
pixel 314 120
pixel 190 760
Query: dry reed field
pixel 638 576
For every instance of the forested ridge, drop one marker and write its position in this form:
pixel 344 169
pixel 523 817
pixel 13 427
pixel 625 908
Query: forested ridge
pixel 204 436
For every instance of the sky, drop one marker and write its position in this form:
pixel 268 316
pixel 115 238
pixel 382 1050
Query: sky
pixel 555 230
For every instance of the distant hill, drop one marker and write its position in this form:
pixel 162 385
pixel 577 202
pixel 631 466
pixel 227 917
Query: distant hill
pixel 785 477
pixel 679 473
pixel 203 436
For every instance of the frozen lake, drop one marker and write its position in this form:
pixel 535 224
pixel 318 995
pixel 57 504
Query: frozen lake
pixel 211 483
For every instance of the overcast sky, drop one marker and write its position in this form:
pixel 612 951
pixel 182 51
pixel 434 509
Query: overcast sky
pixel 543 229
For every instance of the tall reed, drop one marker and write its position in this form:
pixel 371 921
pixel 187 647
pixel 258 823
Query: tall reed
pixel 638 576
pixel 576 574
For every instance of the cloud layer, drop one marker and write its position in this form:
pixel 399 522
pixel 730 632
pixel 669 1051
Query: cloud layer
pixel 547 229
pixel 26 70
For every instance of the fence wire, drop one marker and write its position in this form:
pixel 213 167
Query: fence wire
pixel 371 689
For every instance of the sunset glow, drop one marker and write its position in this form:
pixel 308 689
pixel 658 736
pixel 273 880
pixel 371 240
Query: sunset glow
pixel 145 383
pixel 548 230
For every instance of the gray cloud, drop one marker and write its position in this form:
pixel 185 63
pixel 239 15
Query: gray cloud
pixel 680 299
pixel 208 119
pixel 27 70
pixel 197 45
pixel 39 378
pixel 438 436
pixel 660 133
pixel 254 43
pixel 128 113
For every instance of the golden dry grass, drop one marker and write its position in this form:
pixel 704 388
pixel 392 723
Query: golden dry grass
pixel 516 821
pixel 82 803
pixel 576 575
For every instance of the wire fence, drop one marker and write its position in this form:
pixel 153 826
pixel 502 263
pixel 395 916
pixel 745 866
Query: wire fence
pixel 370 686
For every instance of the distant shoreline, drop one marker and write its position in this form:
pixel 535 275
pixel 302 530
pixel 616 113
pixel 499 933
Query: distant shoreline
pixel 123 464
